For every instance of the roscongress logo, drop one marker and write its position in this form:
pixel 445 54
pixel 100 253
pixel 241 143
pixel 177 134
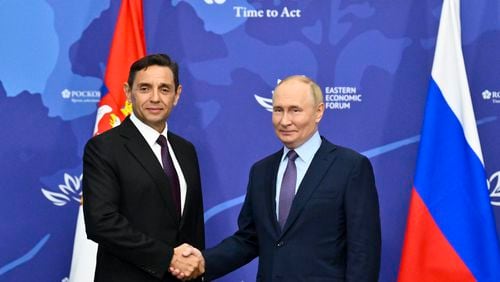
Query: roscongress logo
pixel 486 94
pixel 81 96
pixel 66 94
pixel 70 190
pixel 494 188
pixel 491 95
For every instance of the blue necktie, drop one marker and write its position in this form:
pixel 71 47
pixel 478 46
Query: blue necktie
pixel 168 167
pixel 287 192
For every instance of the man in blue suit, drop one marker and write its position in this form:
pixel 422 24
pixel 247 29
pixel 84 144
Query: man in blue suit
pixel 328 228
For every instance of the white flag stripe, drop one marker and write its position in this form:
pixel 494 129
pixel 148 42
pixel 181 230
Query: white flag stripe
pixel 449 73
pixel 84 254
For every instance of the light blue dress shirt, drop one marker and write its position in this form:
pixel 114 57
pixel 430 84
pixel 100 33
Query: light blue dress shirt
pixel 305 154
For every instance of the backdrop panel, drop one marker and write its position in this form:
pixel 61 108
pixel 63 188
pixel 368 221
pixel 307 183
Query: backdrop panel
pixel 372 59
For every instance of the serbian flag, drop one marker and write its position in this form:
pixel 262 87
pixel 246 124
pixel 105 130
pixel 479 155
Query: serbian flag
pixel 127 46
pixel 450 232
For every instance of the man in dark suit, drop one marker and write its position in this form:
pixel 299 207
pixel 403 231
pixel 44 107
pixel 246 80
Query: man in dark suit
pixel 141 184
pixel 311 210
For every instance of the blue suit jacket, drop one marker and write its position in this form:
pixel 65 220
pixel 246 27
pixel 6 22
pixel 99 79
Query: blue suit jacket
pixel 332 232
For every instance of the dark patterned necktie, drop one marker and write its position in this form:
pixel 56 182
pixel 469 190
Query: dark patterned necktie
pixel 168 167
pixel 287 192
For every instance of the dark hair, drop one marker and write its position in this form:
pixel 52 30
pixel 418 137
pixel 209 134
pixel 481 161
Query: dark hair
pixel 154 60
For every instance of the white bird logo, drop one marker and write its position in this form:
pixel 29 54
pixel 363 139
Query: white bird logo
pixel 266 103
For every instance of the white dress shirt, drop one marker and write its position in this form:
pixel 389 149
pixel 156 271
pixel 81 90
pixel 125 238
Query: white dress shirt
pixel 151 136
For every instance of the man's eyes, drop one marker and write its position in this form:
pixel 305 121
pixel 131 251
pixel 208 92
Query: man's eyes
pixel 294 110
pixel 146 89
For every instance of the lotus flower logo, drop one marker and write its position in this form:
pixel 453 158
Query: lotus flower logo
pixel 494 188
pixel 486 94
pixel 71 189
pixel 66 93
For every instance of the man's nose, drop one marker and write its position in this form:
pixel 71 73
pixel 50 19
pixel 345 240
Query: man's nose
pixel 155 95
pixel 285 119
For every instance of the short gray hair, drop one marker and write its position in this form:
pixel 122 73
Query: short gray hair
pixel 315 89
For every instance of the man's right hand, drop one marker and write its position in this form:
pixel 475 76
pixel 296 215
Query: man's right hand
pixel 187 262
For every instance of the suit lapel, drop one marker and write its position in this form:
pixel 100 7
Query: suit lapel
pixel 271 193
pixel 320 164
pixel 139 148
pixel 188 170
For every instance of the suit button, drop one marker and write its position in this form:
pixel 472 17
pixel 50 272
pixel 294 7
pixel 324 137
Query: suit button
pixel 280 244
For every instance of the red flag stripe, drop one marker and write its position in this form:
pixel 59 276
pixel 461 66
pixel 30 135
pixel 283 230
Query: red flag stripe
pixel 427 249
pixel 127 46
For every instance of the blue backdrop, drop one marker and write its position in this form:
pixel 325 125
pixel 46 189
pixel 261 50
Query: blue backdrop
pixel 371 58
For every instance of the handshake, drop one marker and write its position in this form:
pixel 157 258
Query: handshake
pixel 187 263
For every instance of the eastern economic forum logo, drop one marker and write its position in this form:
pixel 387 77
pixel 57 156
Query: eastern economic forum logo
pixel 341 97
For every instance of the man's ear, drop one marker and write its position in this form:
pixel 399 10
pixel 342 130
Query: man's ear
pixel 177 94
pixel 320 110
pixel 128 91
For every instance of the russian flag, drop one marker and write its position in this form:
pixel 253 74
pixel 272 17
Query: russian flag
pixel 450 233
pixel 127 46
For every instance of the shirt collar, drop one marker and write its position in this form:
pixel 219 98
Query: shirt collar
pixel 149 133
pixel 307 150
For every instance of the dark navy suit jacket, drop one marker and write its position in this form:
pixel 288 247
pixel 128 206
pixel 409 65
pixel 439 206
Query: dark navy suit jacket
pixel 332 232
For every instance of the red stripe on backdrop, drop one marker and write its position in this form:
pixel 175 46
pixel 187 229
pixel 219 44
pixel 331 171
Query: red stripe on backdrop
pixel 427 255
